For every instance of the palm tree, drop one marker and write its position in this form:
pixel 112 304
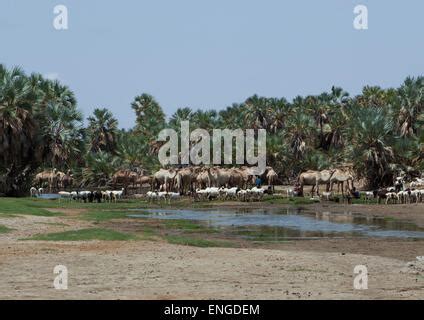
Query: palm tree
pixel 150 116
pixel 371 136
pixel 63 134
pixel 207 120
pixel 232 117
pixel 411 95
pixel 278 111
pixel 39 123
pixel 135 152
pixel 102 130
pixel 99 168
pixel 182 114
pixel 299 133
pixel 339 97
pixel 255 111
pixel 20 147
pixel 334 131
pixel 319 107
pixel 372 96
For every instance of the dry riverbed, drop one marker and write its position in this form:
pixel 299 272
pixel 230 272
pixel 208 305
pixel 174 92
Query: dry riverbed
pixel 151 266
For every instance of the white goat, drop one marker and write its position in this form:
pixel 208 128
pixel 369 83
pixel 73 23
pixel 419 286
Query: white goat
pixel 173 196
pixel 65 195
pixel 229 193
pixel 392 196
pixel 327 195
pixel 33 192
pixel 290 193
pixel 152 196
pixel 162 195
pixel 242 195
pixel 117 194
pixel 256 193
pixel 368 196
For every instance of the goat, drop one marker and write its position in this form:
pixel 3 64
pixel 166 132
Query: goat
pixel 118 194
pixel 33 192
pixel 257 193
pixel 65 195
pixel 173 196
pixel 392 196
pixel 368 196
pixel 327 195
pixel 152 196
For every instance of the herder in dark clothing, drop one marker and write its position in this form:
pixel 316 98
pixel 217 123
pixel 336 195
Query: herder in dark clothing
pixel 258 182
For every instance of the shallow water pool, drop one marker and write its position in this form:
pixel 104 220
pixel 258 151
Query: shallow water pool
pixel 278 224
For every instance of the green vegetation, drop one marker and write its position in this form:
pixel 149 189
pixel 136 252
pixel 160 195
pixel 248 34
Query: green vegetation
pixel 363 201
pixel 378 133
pixel 11 206
pixel 195 242
pixel 85 235
pixel 4 229
pixel 188 226
pixel 43 203
pixel 103 215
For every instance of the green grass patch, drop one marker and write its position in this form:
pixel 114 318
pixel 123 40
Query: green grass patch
pixel 11 206
pixel 4 229
pixel 187 226
pixel 263 234
pixel 100 215
pixel 188 241
pixel 85 235
pixel 54 203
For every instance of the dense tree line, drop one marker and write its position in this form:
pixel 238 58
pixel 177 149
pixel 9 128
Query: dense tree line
pixel 378 132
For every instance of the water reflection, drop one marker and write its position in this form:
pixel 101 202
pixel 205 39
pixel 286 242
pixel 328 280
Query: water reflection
pixel 278 224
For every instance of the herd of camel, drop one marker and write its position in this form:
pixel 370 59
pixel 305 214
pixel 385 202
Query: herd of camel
pixel 186 180
pixel 54 180
pixel 239 183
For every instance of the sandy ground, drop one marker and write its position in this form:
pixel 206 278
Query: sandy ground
pixel 312 269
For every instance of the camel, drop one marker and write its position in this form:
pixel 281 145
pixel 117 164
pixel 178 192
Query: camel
pixel 124 177
pixel 195 171
pixel 54 180
pixel 237 178
pixel 142 180
pixel 42 178
pixel 264 175
pixel 340 177
pixel 67 180
pixel 183 180
pixel 220 177
pixel 47 176
pixel 164 178
pixel 247 176
pixel 315 178
pixel 271 177
pixel 203 179
pixel 59 180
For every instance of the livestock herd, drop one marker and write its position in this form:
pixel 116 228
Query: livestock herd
pixel 398 194
pixel 84 196
pixel 210 193
pixel 207 183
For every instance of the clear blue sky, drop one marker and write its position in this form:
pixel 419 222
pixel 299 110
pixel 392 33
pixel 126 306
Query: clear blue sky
pixel 211 53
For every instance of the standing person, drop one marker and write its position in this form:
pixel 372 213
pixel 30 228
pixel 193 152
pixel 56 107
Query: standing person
pixel 258 182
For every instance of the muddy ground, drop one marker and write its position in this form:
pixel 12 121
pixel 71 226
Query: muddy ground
pixel 155 269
